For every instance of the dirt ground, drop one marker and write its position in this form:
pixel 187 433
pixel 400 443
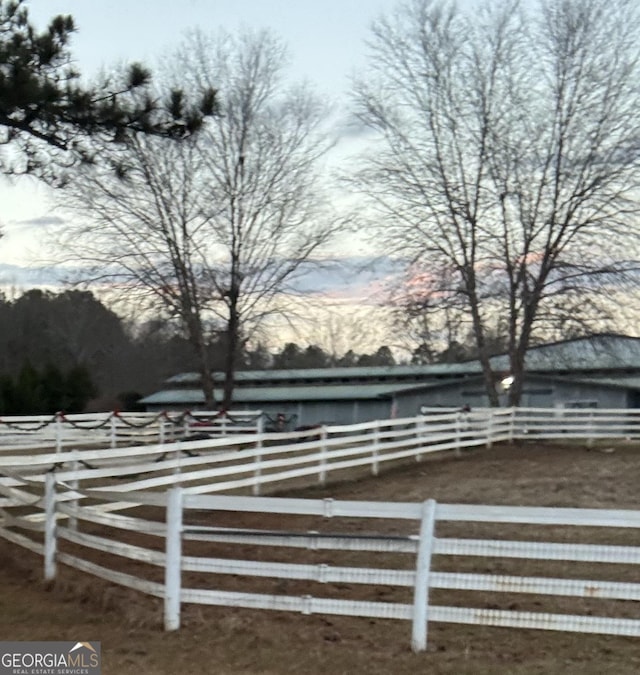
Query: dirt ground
pixel 225 641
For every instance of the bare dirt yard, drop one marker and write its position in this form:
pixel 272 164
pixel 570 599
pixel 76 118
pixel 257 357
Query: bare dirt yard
pixel 225 641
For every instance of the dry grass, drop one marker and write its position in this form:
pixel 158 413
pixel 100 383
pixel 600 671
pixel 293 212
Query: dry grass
pixel 231 641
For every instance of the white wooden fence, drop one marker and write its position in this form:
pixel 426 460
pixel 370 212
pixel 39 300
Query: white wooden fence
pixel 59 432
pixel 415 551
pixel 112 429
pixel 43 511
pixel 259 460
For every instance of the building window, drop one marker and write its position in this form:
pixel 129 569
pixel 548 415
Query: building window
pixel 581 404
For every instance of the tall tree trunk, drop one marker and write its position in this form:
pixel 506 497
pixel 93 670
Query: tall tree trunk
pixel 483 356
pixel 196 337
pixel 233 340
pixel 518 353
pixel 206 379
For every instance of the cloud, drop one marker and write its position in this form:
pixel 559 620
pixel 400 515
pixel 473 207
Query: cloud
pixel 352 128
pixel 364 280
pixel 350 277
pixel 28 277
pixel 42 221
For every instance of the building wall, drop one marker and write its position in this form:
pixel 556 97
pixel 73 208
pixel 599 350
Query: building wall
pixel 537 393
pixel 408 404
pixel 325 412
pixel 586 395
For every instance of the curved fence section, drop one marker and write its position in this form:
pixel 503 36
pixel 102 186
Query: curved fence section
pixel 114 429
pixel 142 516
pixel 341 554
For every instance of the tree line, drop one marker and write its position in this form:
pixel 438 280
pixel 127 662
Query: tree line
pixel 49 390
pixel 504 172
pixel 68 352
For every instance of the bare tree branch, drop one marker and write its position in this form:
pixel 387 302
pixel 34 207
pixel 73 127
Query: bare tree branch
pixel 508 154
pixel 215 229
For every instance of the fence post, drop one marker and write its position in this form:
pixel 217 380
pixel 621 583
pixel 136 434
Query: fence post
pixel 490 429
pixel 419 434
pixel 375 449
pixel 114 434
pixel 74 484
pixel 161 429
pixel 257 462
pixel 590 427
pixel 458 434
pixel 423 570
pixel 50 543
pixel 177 456
pixel 173 552
pixel 58 432
pixel 322 475
pixel 512 422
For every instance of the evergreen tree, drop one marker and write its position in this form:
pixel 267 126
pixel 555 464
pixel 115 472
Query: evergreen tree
pixel 79 389
pixel 34 392
pixel 314 357
pixel 348 359
pixel 289 357
pixel 47 114
pixel 54 392
pixel 6 394
pixel 129 400
pixel 28 396
pixel 382 357
pixel 257 359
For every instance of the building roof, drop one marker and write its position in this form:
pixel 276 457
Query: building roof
pixel 358 391
pixel 241 394
pixel 595 353
pixel 631 383
pixel 172 396
pixel 310 375
pixel 608 360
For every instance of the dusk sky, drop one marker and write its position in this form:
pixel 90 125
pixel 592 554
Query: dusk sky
pixel 327 46
pixel 326 42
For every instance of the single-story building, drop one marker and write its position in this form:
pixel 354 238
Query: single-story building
pixel 597 371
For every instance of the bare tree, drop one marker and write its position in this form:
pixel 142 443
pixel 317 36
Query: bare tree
pixel 430 312
pixel 508 148
pixel 267 209
pixel 344 328
pixel 143 233
pixel 216 229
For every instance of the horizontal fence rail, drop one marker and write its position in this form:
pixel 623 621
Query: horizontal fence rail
pixel 60 431
pixel 255 460
pixel 54 485
pixel 426 546
pixel 420 559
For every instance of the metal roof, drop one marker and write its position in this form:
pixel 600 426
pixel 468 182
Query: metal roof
pixel 614 383
pixel 598 352
pixel 410 372
pixel 356 391
pixel 170 396
pixel 341 392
